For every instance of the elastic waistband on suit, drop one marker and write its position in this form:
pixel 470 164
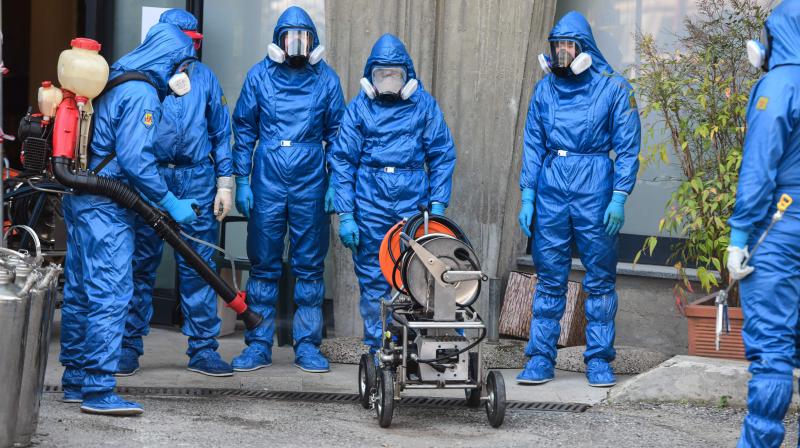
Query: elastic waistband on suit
pixel 289 144
pixel 184 166
pixel 389 169
pixel 565 153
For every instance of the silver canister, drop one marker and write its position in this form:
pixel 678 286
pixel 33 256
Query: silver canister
pixel 42 306
pixel 13 327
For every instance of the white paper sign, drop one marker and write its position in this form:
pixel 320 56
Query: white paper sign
pixel 150 16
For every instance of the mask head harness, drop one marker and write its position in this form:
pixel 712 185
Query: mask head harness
pixel 295 49
pixel 389 83
pixel 758 52
pixel 179 83
pixel 566 58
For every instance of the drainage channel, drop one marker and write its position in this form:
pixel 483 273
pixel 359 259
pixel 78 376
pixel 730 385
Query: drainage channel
pixel 327 397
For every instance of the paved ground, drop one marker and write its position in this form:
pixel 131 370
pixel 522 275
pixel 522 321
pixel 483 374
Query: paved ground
pixel 164 364
pixel 194 422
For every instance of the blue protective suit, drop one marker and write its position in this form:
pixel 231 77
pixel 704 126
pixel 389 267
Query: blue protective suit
pixel 192 149
pixel 100 242
pixel 771 294
pixel 390 157
pixel 573 123
pixel 291 112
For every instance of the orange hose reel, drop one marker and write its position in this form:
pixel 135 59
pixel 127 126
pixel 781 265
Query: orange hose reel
pixel 392 238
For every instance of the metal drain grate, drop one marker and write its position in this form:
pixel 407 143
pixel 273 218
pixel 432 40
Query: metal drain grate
pixel 328 397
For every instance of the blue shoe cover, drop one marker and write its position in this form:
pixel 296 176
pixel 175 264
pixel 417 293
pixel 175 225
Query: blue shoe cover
pixel 208 362
pixel 72 394
pixel 538 370
pixel 254 357
pixel 308 358
pixel 109 403
pixel 128 362
pixel 600 374
pixel 71 384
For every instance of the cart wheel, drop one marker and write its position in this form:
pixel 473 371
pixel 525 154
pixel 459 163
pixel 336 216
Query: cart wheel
pixel 366 380
pixel 473 395
pixel 384 404
pixel 496 400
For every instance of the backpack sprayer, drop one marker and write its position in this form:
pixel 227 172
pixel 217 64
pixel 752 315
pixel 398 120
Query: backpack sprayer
pixel 432 265
pixel 83 75
pixel 721 301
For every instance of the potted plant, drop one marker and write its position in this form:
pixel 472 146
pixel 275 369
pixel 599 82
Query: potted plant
pixel 694 103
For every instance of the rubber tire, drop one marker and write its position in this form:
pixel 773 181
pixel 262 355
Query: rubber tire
pixel 366 370
pixel 473 395
pixel 384 405
pixel 496 401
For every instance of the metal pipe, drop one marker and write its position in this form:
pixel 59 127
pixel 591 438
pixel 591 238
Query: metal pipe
pixel 452 325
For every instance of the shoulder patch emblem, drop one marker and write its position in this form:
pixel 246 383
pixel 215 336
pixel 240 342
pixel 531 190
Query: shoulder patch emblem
pixel 632 101
pixel 147 119
pixel 761 104
pixel 224 101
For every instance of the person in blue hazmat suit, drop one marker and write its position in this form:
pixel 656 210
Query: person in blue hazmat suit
pixel 394 153
pixel 100 242
pixel 193 154
pixel 291 102
pixel 580 112
pixel 770 285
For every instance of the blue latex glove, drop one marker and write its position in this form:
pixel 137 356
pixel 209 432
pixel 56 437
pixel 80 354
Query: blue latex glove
pixel 244 196
pixel 437 208
pixel 180 209
pixel 330 195
pixel 348 230
pixel 739 238
pixel 614 217
pixel 526 211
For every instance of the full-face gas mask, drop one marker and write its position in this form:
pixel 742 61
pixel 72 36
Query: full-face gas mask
pixel 295 49
pixel 566 56
pixel 389 83
pixel 758 52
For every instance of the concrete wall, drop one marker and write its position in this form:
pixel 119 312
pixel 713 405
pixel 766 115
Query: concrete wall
pixel 478 58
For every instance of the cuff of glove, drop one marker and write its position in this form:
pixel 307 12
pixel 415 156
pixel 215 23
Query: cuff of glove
pixel 739 238
pixel 168 200
pixel 225 182
pixel 528 195
pixel 619 197
pixel 242 180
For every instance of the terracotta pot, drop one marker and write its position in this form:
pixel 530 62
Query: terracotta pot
pixel 702 316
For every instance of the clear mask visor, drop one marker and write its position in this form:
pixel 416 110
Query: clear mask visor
pixel 389 79
pixel 563 52
pixel 297 42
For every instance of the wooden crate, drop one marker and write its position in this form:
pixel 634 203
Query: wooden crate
pixel 515 317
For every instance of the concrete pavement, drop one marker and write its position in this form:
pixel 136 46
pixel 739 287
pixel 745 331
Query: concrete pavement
pixel 164 365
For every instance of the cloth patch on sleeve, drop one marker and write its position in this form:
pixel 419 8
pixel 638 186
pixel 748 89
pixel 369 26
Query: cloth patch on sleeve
pixel 147 119
pixel 224 101
pixel 632 100
pixel 761 104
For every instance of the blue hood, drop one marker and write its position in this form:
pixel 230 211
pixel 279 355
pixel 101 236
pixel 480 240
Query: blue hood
pixel 574 26
pixel 293 18
pixel 784 27
pixel 180 18
pixel 389 50
pixel 164 46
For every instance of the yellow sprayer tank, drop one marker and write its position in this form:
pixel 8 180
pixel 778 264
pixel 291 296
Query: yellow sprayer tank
pixel 81 69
